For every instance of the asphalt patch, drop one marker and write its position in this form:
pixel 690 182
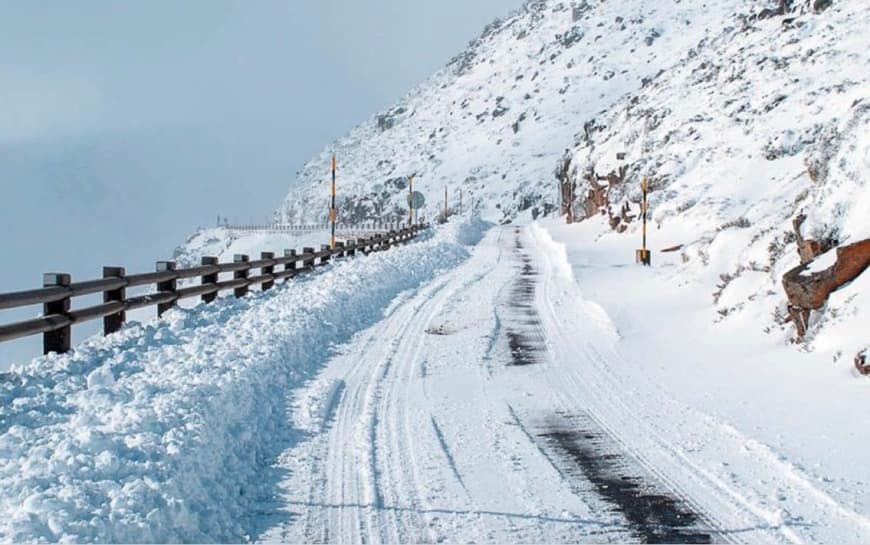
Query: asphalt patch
pixel 654 514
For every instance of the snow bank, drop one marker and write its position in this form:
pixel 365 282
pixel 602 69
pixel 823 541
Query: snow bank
pixel 165 431
pixel 316 403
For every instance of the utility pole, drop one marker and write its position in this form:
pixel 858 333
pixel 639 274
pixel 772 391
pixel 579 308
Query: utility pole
pixel 333 213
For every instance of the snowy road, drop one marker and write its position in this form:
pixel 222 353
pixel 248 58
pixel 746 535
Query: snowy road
pixel 485 408
pixel 426 443
pixel 476 396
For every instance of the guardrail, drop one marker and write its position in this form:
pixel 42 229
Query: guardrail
pixel 380 226
pixel 369 227
pixel 57 318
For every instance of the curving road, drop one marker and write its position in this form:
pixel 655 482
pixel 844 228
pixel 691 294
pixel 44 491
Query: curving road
pixel 488 406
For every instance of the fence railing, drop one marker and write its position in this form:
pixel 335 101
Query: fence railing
pixel 370 226
pixel 58 290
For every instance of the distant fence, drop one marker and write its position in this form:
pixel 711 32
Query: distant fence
pixel 370 226
pixel 57 318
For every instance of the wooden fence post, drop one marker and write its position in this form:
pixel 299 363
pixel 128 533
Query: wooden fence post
pixel 166 285
pixel 267 270
pixel 351 243
pixel 58 340
pixel 290 266
pixel 113 322
pixel 209 279
pixel 309 262
pixel 325 259
pixel 238 275
pixel 340 246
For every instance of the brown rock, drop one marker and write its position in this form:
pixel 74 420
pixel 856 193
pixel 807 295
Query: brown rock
pixel 809 291
pixel 596 199
pixel 614 223
pixel 808 249
pixel 861 363
pixel 821 5
pixel 801 319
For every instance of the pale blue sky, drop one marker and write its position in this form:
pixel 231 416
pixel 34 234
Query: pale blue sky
pixel 125 125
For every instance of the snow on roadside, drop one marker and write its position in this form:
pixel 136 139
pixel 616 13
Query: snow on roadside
pixel 801 408
pixel 316 403
pixel 223 243
pixel 161 433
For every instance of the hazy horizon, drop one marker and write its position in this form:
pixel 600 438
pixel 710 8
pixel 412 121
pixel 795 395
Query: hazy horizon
pixel 124 127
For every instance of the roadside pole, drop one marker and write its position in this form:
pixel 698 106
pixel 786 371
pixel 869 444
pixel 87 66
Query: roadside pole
pixel 642 256
pixel 410 197
pixel 445 203
pixel 333 213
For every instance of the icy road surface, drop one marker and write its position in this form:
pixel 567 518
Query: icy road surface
pixel 477 385
pixel 483 408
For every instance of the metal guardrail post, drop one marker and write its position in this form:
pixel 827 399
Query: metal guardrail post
pixel 58 340
pixel 113 322
pixel 209 279
pixel 166 285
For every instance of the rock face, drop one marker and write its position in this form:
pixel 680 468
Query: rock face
pixel 808 291
pixel 593 199
pixel 821 5
pixel 807 248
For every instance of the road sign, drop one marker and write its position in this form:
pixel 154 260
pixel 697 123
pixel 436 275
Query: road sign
pixel 416 200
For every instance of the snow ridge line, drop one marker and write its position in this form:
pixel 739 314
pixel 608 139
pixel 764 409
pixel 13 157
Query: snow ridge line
pixel 166 431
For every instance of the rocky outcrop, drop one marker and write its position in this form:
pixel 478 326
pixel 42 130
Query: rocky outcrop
pixel 808 291
pixel 783 7
pixel 596 199
pixel 809 249
pixel 821 5
pixel 566 186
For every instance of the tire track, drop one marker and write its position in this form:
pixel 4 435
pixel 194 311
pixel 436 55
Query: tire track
pixel 522 323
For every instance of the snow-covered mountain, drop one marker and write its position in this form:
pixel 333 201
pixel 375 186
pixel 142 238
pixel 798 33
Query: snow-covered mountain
pixel 744 116
pixel 496 119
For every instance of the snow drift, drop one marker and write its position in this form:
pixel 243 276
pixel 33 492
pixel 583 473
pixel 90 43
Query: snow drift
pixel 164 431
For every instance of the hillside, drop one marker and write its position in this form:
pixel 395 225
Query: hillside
pixel 744 117
pixel 496 119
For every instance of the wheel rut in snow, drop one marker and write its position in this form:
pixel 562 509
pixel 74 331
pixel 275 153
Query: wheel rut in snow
pixel 522 323
pixel 584 451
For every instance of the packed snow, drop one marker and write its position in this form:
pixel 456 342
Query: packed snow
pixel 164 431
